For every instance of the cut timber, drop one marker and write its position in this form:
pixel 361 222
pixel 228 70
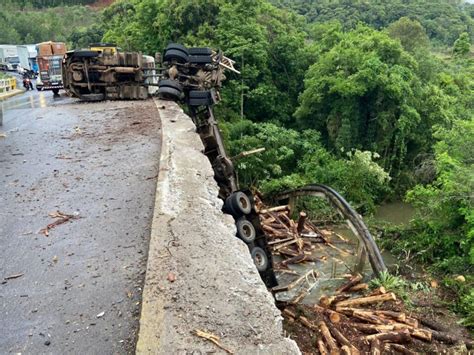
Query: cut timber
pixel 328 337
pixel 369 317
pixel 367 300
pixel 399 349
pixel 398 316
pixel 373 328
pixel 359 287
pixel 375 347
pixel 392 337
pixel 325 301
pixel 342 339
pixel 421 334
pixel 275 209
pixel 346 350
pixel 323 350
pixel 334 316
pixel 352 282
pixel 301 222
pixel 289 313
pixel 294 283
pixel 378 291
pixel 294 260
pixel 307 323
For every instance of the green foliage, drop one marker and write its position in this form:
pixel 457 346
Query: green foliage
pixel 464 304
pixel 28 25
pixel 267 43
pixel 410 33
pixel 462 46
pixel 443 20
pixel 294 158
pixel 364 92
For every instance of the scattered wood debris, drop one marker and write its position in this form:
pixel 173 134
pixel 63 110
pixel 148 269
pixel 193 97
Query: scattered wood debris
pixel 213 338
pixel 341 326
pixel 61 218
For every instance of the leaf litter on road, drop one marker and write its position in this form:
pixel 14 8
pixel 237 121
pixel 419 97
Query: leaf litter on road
pixel 61 218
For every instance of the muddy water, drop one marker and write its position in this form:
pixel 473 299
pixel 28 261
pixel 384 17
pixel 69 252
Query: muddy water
pixel 342 259
pixel 399 213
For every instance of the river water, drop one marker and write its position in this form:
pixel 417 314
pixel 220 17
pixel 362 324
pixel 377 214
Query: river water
pixel 336 263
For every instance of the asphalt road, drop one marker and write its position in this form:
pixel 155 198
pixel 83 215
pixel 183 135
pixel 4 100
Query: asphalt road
pixel 77 289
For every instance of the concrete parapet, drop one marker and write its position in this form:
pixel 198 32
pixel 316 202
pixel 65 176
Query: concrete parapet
pixel 199 275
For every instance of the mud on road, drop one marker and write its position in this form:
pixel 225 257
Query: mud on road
pixel 78 289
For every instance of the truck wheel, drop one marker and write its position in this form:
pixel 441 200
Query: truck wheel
pixel 200 98
pixel 175 55
pixel 200 51
pixel 169 93
pixel 259 258
pixel 240 202
pixel 85 54
pixel 92 97
pixel 245 230
pixel 177 47
pixel 174 84
pixel 200 59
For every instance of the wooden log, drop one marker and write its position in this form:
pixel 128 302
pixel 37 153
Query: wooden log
pixel 399 316
pixel 299 297
pixel 399 349
pixel 352 282
pixel 446 338
pixel 375 347
pixel 369 317
pixel 332 346
pixel 285 244
pixel 285 219
pixel 367 300
pixel 359 287
pixel 301 222
pixel 342 339
pixel 328 301
pixel 392 337
pixel 378 291
pixel 275 209
pixel 334 316
pixel 421 334
pixel 273 232
pixel 373 328
pixel 411 322
pixel 277 226
pixel 294 283
pixel 345 350
pixel 289 313
pixel 432 324
pixel 294 260
pixel 323 350
pixel 307 323
pixel 279 241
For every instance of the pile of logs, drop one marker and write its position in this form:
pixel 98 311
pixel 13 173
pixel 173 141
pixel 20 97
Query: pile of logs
pixel 292 239
pixel 376 329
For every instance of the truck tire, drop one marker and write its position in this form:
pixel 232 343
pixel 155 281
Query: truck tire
pixel 85 54
pixel 175 55
pixel 259 258
pixel 200 98
pixel 169 93
pixel 177 47
pixel 200 59
pixel 240 202
pixel 245 230
pixel 200 51
pixel 169 83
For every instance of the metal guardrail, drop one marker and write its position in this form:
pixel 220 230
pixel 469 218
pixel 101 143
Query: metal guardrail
pixel 7 85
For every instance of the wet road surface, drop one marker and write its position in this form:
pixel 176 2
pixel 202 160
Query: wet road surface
pixel 78 289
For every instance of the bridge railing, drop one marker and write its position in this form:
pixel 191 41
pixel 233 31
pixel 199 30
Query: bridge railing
pixel 7 85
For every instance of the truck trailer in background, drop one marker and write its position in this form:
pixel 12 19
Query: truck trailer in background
pixel 50 57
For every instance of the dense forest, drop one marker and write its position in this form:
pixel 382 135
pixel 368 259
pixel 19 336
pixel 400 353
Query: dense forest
pixel 374 98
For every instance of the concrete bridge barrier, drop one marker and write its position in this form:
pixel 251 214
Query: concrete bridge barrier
pixel 199 275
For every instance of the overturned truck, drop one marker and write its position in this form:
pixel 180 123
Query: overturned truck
pixel 104 72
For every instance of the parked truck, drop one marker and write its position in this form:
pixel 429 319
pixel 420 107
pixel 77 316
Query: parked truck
pixel 50 57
